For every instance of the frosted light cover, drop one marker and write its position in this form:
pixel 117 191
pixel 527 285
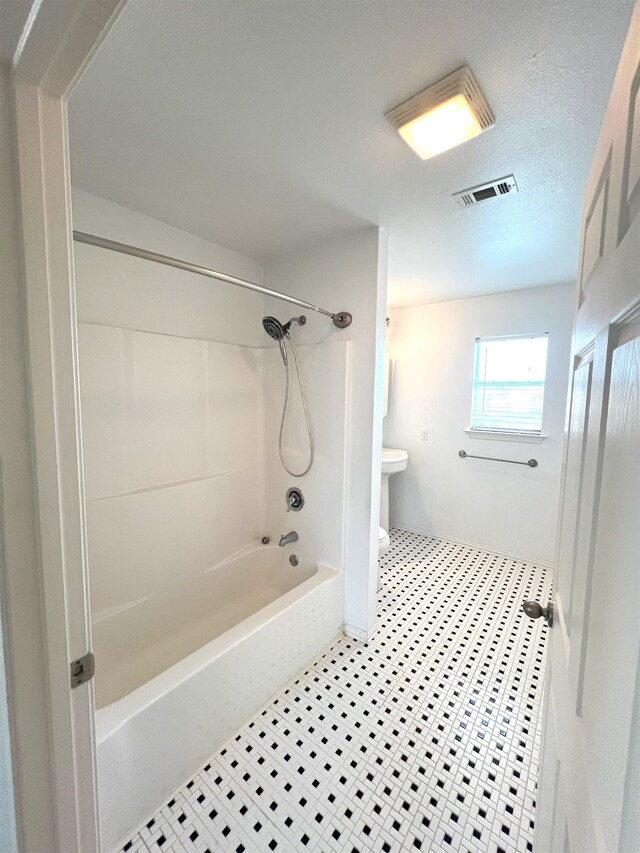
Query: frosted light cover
pixel 443 127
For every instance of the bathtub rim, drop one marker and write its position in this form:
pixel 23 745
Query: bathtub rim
pixel 112 717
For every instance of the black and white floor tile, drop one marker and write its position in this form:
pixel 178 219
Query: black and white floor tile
pixel 425 739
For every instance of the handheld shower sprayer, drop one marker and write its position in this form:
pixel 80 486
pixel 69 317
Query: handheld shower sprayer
pixel 280 333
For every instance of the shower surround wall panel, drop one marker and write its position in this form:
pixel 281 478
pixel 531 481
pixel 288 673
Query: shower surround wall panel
pixel 345 274
pixel 119 290
pixel 324 368
pixel 171 393
pixel 172 450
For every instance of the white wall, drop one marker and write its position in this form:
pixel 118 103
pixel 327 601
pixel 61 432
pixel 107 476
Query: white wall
pixel 171 401
pixel 20 601
pixel 506 508
pixel 343 371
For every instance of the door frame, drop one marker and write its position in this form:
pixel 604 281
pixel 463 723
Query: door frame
pixel 58 42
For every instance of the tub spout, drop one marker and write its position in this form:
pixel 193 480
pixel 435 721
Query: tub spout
pixel 287 538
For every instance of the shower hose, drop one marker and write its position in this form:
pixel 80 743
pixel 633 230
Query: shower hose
pixel 287 391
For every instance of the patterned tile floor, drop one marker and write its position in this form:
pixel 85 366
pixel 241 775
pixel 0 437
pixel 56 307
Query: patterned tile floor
pixel 424 739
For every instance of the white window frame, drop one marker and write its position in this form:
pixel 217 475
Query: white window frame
pixel 523 437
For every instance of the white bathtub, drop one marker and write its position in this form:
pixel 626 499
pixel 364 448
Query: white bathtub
pixel 179 672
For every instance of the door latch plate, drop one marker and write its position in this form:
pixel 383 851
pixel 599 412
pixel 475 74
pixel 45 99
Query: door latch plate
pixel 82 670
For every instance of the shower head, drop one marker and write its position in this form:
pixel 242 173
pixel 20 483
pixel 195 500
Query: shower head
pixel 275 329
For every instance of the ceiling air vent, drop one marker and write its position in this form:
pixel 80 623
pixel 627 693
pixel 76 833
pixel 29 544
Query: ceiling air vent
pixel 485 192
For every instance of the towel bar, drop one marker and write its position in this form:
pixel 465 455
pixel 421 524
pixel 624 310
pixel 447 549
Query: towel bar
pixel 532 463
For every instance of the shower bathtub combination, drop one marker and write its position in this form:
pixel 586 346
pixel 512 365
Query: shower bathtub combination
pixel 194 436
pixel 181 670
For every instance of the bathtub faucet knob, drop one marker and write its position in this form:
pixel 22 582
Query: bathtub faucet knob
pixel 287 538
pixel 295 500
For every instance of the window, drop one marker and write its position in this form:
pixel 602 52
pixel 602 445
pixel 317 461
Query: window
pixel 508 384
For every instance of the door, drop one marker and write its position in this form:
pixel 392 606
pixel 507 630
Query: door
pixel 589 791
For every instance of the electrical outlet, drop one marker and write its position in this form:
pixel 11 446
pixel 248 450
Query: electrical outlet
pixel 424 434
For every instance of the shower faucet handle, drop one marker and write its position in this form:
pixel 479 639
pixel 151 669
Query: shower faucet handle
pixel 295 500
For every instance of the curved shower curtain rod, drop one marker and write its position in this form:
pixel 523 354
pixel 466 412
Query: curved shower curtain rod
pixel 342 319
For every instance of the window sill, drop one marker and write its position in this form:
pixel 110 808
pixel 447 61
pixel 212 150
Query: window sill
pixel 500 435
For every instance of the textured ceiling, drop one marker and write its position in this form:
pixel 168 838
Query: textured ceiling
pixel 259 125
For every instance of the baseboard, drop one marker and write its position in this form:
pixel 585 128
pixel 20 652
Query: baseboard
pixel 359 634
pixel 519 557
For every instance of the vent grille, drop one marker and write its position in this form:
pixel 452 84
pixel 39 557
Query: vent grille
pixel 486 192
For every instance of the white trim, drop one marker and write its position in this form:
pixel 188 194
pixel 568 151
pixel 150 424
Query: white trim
pixel 358 634
pixel 46 221
pixel 519 557
pixel 60 40
pixel 53 52
pixel 20 596
pixel 505 435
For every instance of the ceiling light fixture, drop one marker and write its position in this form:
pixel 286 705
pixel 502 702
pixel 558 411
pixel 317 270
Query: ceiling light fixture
pixel 444 115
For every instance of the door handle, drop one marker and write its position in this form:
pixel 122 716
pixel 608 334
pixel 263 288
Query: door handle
pixel 535 611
